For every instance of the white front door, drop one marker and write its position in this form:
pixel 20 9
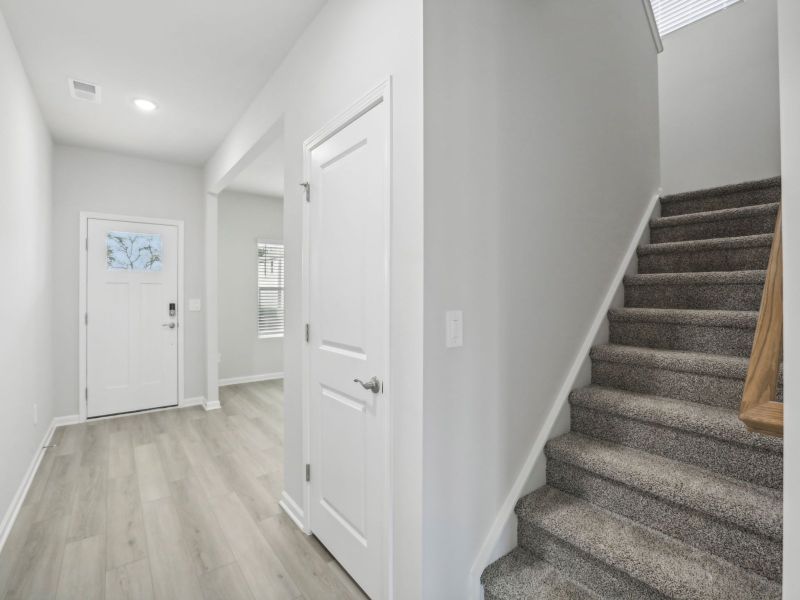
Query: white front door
pixel 132 320
pixel 347 253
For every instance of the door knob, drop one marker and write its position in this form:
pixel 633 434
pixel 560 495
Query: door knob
pixel 373 385
pixel 170 325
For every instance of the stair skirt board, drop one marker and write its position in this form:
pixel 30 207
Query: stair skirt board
pixel 657 490
pixel 500 535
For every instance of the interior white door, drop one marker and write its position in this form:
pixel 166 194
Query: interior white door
pixel 348 252
pixel 132 320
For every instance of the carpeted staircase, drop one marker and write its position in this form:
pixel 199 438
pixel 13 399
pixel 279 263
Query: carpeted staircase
pixel 659 491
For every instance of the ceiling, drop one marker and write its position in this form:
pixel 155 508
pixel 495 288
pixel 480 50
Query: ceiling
pixel 201 61
pixel 264 176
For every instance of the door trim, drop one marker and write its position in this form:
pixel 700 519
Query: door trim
pixel 381 94
pixel 82 298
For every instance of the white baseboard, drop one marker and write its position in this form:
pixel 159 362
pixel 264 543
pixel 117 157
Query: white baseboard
pixel 294 511
pixel 19 497
pixel 196 401
pixel 185 403
pixel 213 405
pixel 497 542
pixel 249 379
pixel 73 419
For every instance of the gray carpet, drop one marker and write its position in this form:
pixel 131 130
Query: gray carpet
pixel 659 491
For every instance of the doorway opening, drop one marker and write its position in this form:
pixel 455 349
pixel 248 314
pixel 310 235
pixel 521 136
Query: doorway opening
pixel 251 274
pixel 251 302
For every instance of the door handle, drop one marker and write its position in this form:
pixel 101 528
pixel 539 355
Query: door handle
pixel 170 325
pixel 373 385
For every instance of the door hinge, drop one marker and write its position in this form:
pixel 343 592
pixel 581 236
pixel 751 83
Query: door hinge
pixel 87 243
pixel 86 318
pixel 307 187
pixel 86 393
pixel 308 333
pixel 308 472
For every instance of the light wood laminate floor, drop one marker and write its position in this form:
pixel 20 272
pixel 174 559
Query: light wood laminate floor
pixel 168 505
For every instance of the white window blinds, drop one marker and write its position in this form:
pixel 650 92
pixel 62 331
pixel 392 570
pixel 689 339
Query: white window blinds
pixel 270 289
pixel 674 14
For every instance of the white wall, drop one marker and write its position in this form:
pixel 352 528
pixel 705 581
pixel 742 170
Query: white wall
pixel 541 156
pixel 718 94
pixel 352 46
pixel 242 220
pixel 26 356
pixel 789 33
pixel 91 180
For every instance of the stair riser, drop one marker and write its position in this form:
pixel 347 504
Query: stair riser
pixel 740 296
pixel 733 460
pixel 751 225
pixel 735 200
pixel 519 575
pixel 733 259
pixel 582 567
pixel 728 341
pixel 692 387
pixel 743 548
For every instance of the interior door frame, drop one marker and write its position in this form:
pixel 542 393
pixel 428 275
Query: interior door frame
pixel 83 298
pixel 381 94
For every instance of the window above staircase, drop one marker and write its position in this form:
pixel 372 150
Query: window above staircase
pixel 671 15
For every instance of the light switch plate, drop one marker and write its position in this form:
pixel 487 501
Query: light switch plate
pixel 195 304
pixel 454 328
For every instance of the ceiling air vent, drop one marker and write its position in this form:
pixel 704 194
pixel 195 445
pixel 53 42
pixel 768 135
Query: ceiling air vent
pixel 82 90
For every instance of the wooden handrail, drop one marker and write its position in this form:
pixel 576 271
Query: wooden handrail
pixel 759 410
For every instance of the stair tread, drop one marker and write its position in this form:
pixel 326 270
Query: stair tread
pixel 713 244
pixel 723 190
pixel 717 365
pixel 686 478
pixel 740 319
pixel 675 569
pixel 702 278
pixel 710 216
pixel 744 504
pixel 521 576
pixel 703 419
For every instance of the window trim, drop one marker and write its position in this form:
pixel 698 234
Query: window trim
pixel 269 336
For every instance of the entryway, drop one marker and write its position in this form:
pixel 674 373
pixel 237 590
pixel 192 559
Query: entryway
pixel 131 315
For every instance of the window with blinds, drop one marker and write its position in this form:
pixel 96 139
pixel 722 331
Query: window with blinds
pixel 270 289
pixel 674 14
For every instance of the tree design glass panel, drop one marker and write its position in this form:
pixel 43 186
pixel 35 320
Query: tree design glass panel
pixel 126 251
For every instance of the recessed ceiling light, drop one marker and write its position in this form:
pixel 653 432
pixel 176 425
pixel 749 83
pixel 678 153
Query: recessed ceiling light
pixel 145 105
